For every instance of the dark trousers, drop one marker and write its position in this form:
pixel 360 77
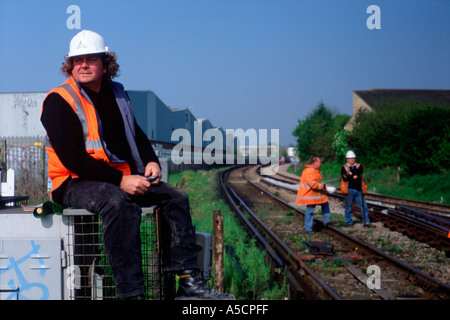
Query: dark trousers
pixel 121 217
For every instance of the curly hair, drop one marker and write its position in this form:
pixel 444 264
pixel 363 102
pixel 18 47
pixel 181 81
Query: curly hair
pixel 109 62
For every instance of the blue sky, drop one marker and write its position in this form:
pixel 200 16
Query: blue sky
pixel 260 64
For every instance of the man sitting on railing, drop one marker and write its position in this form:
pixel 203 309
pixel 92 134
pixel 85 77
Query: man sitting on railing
pixel 100 160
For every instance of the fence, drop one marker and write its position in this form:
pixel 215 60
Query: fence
pixel 93 279
pixel 28 157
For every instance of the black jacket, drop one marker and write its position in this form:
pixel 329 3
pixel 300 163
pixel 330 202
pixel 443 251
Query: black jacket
pixel 356 170
pixel 66 135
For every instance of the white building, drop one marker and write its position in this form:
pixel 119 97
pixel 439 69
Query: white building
pixel 20 114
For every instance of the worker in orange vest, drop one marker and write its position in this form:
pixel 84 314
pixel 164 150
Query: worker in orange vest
pixel 352 186
pixel 101 160
pixel 312 192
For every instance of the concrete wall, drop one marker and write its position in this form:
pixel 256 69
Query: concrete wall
pixel 359 105
pixel 20 114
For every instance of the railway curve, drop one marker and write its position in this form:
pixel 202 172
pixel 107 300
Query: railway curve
pixel 249 199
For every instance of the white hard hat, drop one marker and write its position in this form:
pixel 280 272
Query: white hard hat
pixel 87 42
pixel 350 155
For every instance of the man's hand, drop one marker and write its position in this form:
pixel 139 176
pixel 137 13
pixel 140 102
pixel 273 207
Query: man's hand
pixel 153 169
pixel 138 185
pixel 134 184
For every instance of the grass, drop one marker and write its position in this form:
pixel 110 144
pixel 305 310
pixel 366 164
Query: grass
pixel 328 266
pixel 246 275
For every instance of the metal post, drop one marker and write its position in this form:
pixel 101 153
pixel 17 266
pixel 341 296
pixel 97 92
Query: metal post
pixel 218 249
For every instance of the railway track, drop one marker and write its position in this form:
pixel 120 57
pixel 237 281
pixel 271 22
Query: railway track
pixel 436 209
pixel 426 222
pixel 330 265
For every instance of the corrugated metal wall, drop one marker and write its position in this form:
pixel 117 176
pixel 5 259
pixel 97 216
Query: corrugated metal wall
pixel 20 114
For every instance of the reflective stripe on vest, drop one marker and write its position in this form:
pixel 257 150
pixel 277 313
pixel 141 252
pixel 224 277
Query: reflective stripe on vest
pixel 89 144
pixel 310 198
pixel 347 167
pixel 310 184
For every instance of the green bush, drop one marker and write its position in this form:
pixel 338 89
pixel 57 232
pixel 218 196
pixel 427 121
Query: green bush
pixel 404 133
pixel 425 141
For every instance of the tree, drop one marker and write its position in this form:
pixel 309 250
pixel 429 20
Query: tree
pixel 316 132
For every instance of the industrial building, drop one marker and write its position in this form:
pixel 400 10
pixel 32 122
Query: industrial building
pixel 22 135
pixel 21 113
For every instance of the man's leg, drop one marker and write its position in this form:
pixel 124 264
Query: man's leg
pixel 366 210
pixel 180 249
pixel 326 214
pixel 309 218
pixel 120 226
pixel 348 207
pixel 362 205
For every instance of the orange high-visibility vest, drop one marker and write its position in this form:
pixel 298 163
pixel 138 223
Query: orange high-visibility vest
pixel 85 111
pixel 311 189
pixel 344 184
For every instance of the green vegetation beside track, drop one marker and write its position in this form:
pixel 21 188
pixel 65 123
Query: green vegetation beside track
pixel 246 274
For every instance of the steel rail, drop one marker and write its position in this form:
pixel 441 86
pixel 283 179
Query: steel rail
pixel 435 230
pixel 305 282
pixel 437 209
pixel 433 285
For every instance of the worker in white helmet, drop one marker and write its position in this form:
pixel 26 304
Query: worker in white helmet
pixel 102 161
pixel 352 185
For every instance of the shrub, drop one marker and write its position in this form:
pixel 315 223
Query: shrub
pixel 404 133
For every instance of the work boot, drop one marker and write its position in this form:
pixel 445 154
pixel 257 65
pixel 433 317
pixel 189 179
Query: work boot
pixel 192 286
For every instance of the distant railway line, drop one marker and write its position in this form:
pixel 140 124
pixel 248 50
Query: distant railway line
pixel 438 209
pixel 332 264
pixel 424 221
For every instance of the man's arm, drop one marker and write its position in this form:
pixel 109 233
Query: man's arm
pixel 312 182
pixel 144 146
pixel 147 153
